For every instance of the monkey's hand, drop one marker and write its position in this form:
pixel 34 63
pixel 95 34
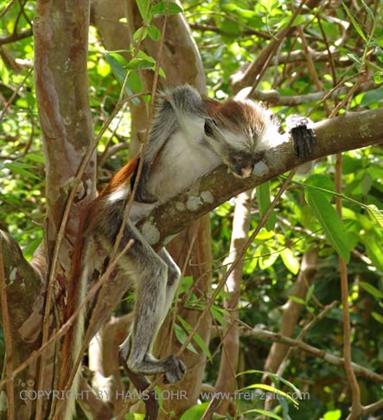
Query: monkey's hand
pixel 303 135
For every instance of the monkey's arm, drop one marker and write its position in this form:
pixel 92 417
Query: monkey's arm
pixel 303 135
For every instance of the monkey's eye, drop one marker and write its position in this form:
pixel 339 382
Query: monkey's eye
pixel 208 127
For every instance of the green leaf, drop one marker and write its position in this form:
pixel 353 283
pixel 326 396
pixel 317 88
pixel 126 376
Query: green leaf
pixel 372 96
pixel 275 376
pixel 290 261
pixel 355 24
pixel 378 317
pixel 266 256
pixel 196 337
pixel 182 336
pixel 185 284
pixel 217 314
pixel 22 169
pixel 135 416
pixel 270 389
pixel 263 412
pixel 140 34
pixel 332 225
pixel 299 20
pixel 144 8
pixel 103 67
pixel 263 200
pixel 166 8
pixel 196 412
pixel 135 84
pixel 154 33
pixel 297 299
pixel 332 415
pixel 369 288
pixel 117 63
pixel 375 214
pixel 140 63
pixel 374 250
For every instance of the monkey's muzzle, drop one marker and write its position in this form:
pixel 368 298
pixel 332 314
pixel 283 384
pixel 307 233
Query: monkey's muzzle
pixel 243 172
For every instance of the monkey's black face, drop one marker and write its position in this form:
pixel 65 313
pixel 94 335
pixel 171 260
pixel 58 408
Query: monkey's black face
pixel 241 164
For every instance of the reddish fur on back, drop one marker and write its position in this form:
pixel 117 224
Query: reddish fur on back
pixel 122 176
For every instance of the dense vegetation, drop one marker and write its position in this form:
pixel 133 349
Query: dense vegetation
pixel 334 49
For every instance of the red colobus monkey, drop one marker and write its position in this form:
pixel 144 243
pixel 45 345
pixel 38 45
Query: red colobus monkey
pixel 190 136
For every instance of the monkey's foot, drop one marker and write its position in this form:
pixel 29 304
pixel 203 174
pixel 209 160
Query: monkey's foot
pixel 175 369
pixel 300 129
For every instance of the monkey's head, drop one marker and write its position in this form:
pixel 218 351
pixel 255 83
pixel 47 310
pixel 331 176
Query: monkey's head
pixel 239 131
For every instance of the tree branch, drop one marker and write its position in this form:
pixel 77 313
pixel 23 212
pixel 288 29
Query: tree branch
pixel 16 37
pixel 328 357
pixel 273 97
pixel 350 131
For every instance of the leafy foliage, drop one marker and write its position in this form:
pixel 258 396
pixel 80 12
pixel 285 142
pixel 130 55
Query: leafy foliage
pixel 229 35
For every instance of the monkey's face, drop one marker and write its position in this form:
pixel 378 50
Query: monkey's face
pixel 241 164
pixel 234 148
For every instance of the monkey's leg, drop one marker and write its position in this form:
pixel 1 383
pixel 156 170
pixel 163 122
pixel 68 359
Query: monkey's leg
pixel 174 275
pixel 150 273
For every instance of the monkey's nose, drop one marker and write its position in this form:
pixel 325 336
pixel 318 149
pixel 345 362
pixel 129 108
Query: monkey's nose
pixel 246 171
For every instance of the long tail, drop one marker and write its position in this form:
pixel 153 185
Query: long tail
pixel 71 344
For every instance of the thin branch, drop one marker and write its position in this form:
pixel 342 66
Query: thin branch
pixel 16 37
pixel 273 97
pixel 356 407
pixel 7 8
pixel 369 409
pixel 254 72
pixel 322 314
pixel 328 357
pixel 14 94
pixel 215 29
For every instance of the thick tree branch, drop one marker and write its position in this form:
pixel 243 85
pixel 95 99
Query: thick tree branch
pixel 351 131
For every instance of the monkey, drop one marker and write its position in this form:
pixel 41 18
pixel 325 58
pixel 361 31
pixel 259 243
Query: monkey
pixel 190 136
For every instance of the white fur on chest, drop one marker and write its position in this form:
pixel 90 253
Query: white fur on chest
pixel 182 161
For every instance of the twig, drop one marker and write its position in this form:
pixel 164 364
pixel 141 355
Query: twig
pixel 356 407
pixel 273 97
pixel 304 331
pixel 215 29
pixel 14 94
pixel 16 37
pixel 328 49
pixel 7 8
pixel 256 69
pixel 369 409
pixel 328 357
